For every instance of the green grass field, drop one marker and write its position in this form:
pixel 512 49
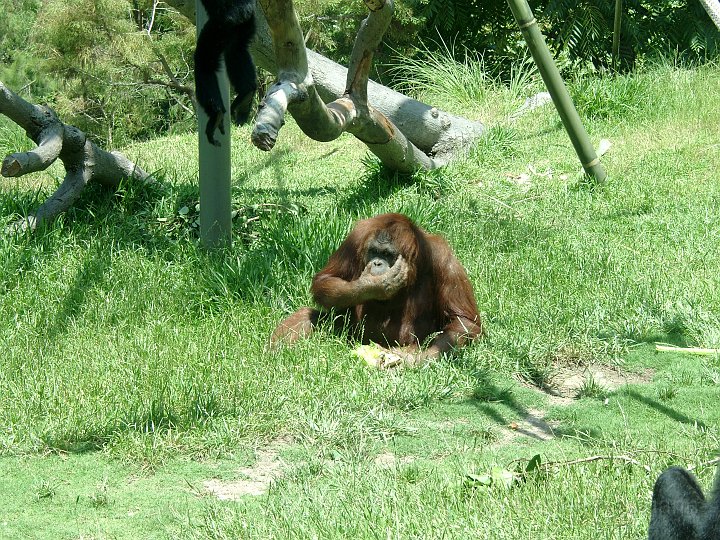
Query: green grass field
pixel 137 399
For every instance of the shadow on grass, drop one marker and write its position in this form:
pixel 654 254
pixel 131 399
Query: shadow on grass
pixel 154 418
pixel 663 409
pixel 379 183
pixel 277 162
pixel 490 399
pixel 506 231
pixel 499 403
pixel 90 274
pixel 98 212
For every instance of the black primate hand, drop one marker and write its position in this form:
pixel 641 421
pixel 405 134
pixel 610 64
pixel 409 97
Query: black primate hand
pixel 215 122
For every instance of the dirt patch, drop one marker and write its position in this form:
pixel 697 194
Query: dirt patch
pixel 388 460
pixel 574 374
pixel 255 480
pixel 572 381
pixel 568 382
pixel 533 425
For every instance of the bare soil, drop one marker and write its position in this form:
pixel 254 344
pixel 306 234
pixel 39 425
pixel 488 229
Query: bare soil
pixel 255 480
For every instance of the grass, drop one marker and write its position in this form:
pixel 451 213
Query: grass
pixel 134 366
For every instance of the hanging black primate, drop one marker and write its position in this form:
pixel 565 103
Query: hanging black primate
pixel 227 32
pixel 680 510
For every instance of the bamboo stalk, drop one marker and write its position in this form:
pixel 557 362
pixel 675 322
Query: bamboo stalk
pixel 559 93
pixel 616 34
pixel 687 350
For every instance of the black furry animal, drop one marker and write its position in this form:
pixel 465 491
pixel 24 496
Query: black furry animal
pixel 227 32
pixel 680 510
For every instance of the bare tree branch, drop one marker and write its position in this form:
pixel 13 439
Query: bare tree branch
pixel 295 92
pixel 174 83
pixel 83 160
pixel 148 30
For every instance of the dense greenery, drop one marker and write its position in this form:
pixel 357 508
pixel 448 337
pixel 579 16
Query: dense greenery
pixel 99 63
pixel 583 31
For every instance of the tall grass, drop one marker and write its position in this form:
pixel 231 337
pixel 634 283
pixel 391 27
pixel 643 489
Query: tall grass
pixel 461 81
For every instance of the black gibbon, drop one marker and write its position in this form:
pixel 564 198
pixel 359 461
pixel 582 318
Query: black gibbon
pixel 680 510
pixel 227 32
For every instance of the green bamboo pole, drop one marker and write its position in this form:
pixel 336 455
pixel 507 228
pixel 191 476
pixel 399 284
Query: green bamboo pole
pixel 555 85
pixel 214 166
pixel 616 34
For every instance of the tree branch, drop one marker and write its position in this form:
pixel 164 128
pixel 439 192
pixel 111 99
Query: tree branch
pixel 82 159
pixel 174 83
pixel 295 92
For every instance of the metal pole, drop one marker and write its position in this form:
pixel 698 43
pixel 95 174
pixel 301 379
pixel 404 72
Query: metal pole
pixel 214 166
pixel 555 85
pixel 616 34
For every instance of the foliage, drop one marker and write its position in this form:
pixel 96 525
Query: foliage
pixel 104 55
pixel 483 26
pixel 19 68
pixel 582 31
pixel 331 27
pixel 16 21
pixel 648 29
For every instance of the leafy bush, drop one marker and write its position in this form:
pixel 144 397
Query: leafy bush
pixel 105 57
pixel 583 30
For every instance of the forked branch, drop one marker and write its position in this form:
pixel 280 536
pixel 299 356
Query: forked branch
pixel 83 160
pixel 295 92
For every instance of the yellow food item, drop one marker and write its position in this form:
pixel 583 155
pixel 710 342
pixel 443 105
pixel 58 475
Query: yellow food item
pixel 374 356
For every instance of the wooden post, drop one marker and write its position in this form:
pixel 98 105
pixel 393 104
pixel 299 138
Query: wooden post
pixel 214 166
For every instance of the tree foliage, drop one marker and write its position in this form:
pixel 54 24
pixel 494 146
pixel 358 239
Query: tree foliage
pixel 583 29
pixel 110 58
pixel 330 27
pixel 18 66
